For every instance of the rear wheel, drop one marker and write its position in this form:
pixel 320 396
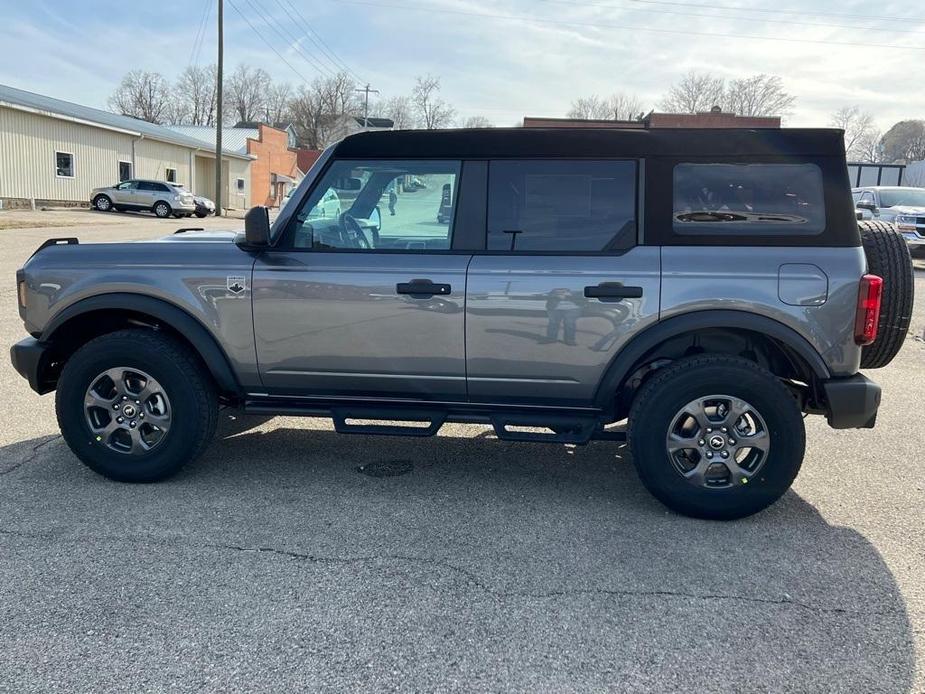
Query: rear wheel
pixel 135 405
pixel 888 257
pixel 162 209
pixel 716 437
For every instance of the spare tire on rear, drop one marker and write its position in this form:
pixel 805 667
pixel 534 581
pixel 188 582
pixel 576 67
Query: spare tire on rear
pixel 888 257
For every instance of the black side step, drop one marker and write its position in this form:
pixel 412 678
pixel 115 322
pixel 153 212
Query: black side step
pixel 435 420
pixel 578 430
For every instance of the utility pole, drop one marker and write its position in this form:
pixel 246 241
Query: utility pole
pixel 366 90
pixel 218 111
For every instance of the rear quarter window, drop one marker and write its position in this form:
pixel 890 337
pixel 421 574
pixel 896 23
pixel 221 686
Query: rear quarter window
pixel 748 199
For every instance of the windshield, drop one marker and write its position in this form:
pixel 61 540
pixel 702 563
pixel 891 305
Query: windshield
pixel 907 197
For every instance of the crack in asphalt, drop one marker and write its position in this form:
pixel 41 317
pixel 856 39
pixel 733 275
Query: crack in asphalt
pixel 31 456
pixel 473 578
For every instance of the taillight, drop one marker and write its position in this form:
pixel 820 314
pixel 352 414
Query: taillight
pixel 867 317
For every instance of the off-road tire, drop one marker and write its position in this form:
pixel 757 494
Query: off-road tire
pixel 670 389
pixel 202 215
pixel 888 257
pixel 102 203
pixel 189 387
pixel 162 209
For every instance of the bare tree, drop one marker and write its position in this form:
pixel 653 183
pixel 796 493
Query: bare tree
pixel 905 141
pixel 589 107
pixel 309 118
pixel 141 94
pixel 759 95
pixel 695 92
pixel 432 111
pixel 617 106
pixel 858 125
pixel 477 122
pixel 194 96
pixel 276 108
pixel 338 94
pixel 246 92
pixel 869 147
pixel 399 110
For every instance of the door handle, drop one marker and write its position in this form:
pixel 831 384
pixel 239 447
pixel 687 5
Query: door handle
pixel 422 288
pixel 612 291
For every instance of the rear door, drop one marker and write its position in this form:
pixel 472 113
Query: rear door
pixel 563 283
pixel 361 301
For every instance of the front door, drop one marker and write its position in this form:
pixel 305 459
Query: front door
pixel 564 285
pixel 362 300
pixel 124 193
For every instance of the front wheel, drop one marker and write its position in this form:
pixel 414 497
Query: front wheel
pixel 201 215
pixel 102 203
pixel 136 405
pixel 716 437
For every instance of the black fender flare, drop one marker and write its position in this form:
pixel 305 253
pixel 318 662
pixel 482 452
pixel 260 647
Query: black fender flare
pixel 621 366
pixel 177 318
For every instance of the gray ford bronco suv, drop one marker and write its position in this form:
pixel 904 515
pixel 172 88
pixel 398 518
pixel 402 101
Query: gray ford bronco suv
pixel 710 287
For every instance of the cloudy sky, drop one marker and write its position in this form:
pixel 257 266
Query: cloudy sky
pixel 499 58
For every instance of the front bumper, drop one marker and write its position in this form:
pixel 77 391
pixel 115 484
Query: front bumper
pixel 31 360
pixel 913 239
pixel 852 402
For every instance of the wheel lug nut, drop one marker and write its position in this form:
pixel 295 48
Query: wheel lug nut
pixel 725 454
pixel 709 430
pixel 709 454
pixel 141 414
pixel 115 406
pixel 120 420
pixel 724 430
pixel 124 398
pixel 701 442
pixel 132 424
pixel 138 402
pixel 732 442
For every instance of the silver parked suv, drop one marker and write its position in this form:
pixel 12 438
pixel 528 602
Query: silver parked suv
pixel 160 197
pixel 710 287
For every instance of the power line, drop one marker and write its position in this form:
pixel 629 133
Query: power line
pixel 320 42
pixel 789 22
pixel 279 29
pixel 200 33
pixel 269 45
pixel 597 25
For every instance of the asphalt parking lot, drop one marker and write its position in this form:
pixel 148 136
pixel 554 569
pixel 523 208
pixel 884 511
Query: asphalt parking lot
pixel 272 564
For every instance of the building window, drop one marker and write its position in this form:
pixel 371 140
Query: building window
pixel 239 183
pixel 64 164
pixel 125 170
pixel 171 175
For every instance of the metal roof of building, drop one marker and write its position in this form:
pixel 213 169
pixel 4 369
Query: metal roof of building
pixel 93 116
pixel 234 139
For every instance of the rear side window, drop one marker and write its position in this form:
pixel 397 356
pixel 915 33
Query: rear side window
pixel 749 199
pixel 561 205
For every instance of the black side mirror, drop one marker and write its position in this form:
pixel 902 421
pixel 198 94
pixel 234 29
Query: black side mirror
pixel 867 206
pixel 257 226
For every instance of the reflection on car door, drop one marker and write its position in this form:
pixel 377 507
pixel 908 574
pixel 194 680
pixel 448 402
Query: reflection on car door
pixel 565 285
pixel 124 193
pixel 335 315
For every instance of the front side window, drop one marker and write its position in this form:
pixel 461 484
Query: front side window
pixel 64 164
pixel 759 199
pixel 127 185
pixel 380 205
pixel 561 205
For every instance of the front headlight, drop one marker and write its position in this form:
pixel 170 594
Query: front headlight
pixel 905 222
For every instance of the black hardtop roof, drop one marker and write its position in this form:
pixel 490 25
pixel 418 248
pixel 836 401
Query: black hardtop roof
pixel 486 143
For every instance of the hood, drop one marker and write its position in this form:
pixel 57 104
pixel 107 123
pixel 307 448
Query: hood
pixel 201 236
pixel 906 209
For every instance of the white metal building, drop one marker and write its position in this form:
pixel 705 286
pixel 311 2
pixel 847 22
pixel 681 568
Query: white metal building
pixel 56 152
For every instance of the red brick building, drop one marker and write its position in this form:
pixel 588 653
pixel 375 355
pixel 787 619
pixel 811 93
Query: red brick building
pixel 274 170
pixel 708 119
